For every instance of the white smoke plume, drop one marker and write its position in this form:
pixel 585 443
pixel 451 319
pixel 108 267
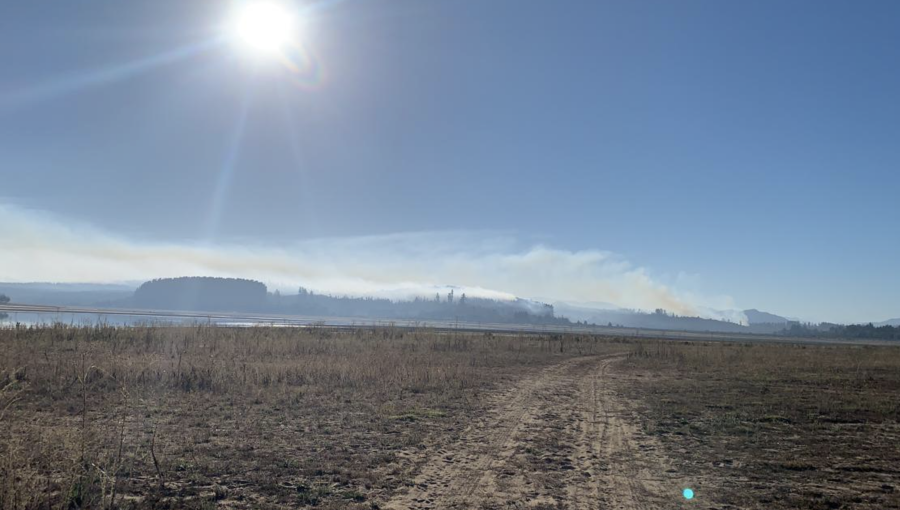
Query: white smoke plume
pixel 39 247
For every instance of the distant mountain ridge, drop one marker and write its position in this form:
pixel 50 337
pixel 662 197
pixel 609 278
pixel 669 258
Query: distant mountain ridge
pixel 755 316
pixel 586 313
pixel 638 319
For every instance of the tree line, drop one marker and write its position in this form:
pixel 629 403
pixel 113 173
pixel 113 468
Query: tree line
pixel 851 331
pixel 239 295
pixel 447 307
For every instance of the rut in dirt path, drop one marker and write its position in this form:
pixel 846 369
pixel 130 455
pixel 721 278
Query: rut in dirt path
pixel 563 438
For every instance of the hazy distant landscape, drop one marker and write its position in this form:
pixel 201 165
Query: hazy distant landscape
pixel 239 295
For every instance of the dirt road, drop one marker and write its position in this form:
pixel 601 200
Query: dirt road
pixel 563 438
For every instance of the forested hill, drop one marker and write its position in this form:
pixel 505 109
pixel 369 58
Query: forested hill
pixel 202 293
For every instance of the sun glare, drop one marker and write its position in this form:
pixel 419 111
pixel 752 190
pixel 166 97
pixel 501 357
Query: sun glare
pixel 264 26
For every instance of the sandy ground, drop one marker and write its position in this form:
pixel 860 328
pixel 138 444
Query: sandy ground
pixel 564 438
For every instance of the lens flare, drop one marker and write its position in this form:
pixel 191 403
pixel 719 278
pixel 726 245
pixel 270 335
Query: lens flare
pixel 305 70
pixel 688 494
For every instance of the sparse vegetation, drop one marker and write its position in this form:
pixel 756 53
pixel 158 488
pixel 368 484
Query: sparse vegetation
pixel 776 426
pixel 855 331
pixel 157 417
pixel 204 417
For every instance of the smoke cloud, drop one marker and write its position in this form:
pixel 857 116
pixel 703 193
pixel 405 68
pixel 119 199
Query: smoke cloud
pixel 39 247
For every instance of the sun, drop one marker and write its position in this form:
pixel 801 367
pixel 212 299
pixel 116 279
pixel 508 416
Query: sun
pixel 264 26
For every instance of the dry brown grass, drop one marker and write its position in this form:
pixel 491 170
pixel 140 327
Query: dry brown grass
pixel 203 417
pixel 777 426
pixel 198 417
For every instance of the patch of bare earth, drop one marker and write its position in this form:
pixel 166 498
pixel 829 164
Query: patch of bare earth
pixel 775 426
pixel 563 438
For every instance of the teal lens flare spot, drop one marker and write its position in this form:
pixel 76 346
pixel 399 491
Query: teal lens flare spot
pixel 688 493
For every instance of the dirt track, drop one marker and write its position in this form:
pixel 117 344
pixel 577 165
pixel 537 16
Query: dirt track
pixel 563 438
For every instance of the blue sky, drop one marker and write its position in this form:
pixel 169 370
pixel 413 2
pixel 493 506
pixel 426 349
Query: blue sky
pixel 740 149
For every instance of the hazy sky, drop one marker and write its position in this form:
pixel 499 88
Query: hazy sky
pixel 741 149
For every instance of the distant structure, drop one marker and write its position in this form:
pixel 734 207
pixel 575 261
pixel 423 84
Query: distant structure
pixel 198 293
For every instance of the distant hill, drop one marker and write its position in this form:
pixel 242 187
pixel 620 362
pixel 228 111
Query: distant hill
pixel 758 322
pixel 637 319
pixel 889 322
pixel 200 293
pixel 595 314
pixel 755 316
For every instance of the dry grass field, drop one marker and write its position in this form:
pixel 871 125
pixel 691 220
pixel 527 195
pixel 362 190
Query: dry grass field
pixel 206 417
pixel 775 426
pixel 213 417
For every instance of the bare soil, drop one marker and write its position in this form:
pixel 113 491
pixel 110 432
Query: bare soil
pixel 563 438
pixel 775 426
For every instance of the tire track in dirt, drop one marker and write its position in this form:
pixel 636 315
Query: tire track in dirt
pixel 563 438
